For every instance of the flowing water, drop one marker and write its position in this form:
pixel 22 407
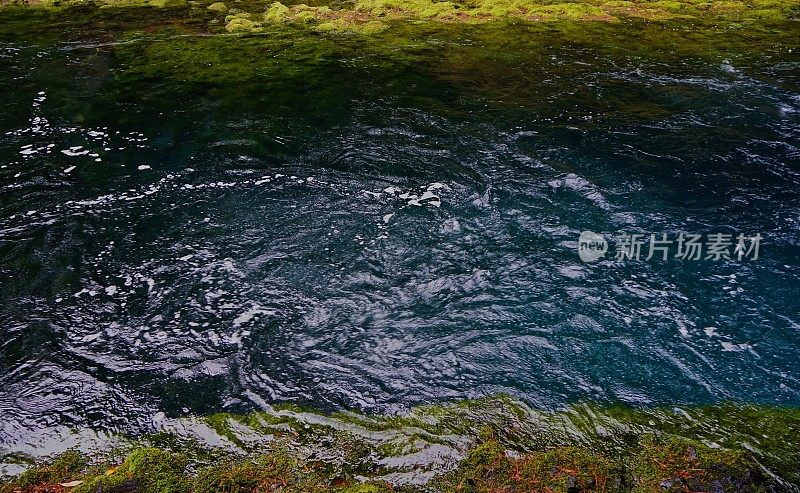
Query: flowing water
pixel 191 225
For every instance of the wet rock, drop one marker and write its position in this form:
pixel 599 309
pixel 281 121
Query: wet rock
pixel 572 485
pixel 672 485
pixel 471 486
pixel 128 486
pixel 717 487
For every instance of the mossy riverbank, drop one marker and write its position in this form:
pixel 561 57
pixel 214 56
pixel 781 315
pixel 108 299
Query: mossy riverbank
pixel 374 16
pixel 223 44
pixel 488 445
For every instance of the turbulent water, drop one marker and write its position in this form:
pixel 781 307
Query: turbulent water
pixel 195 225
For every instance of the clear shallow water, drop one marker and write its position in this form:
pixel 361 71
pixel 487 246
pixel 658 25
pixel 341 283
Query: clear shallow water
pixel 182 233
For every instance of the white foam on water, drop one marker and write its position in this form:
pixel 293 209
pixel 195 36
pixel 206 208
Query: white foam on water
pixel 250 314
pixel 91 337
pixel 736 348
pixel 75 151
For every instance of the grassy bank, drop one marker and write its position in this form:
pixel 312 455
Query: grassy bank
pixel 488 445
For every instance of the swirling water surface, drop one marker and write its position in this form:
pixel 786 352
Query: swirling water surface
pixel 351 229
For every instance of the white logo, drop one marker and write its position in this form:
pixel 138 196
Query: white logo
pixel 591 246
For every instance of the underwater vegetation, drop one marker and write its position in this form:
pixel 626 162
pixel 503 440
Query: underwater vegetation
pixel 494 444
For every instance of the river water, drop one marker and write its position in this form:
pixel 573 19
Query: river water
pixel 191 225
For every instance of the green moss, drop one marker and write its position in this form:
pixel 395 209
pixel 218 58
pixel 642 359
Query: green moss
pixel 368 17
pixel 774 431
pixel 267 473
pixel 241 23
pixel 364 11
pixel 372 487
pixel 675 464
pixel 514 448
pixel 277 12
pixel 421 9
pixel 485 463
pixel 488 467
pixel 671 5
pixel 724 7
pixel 282 469
pixel 64 467
pixel 146 470
pixel 218 7
pixel 618 4
pixel 773 15
pixel 653 464
pixel 342 25
pixel 220 422
pixel 305 16
pixel 573 11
